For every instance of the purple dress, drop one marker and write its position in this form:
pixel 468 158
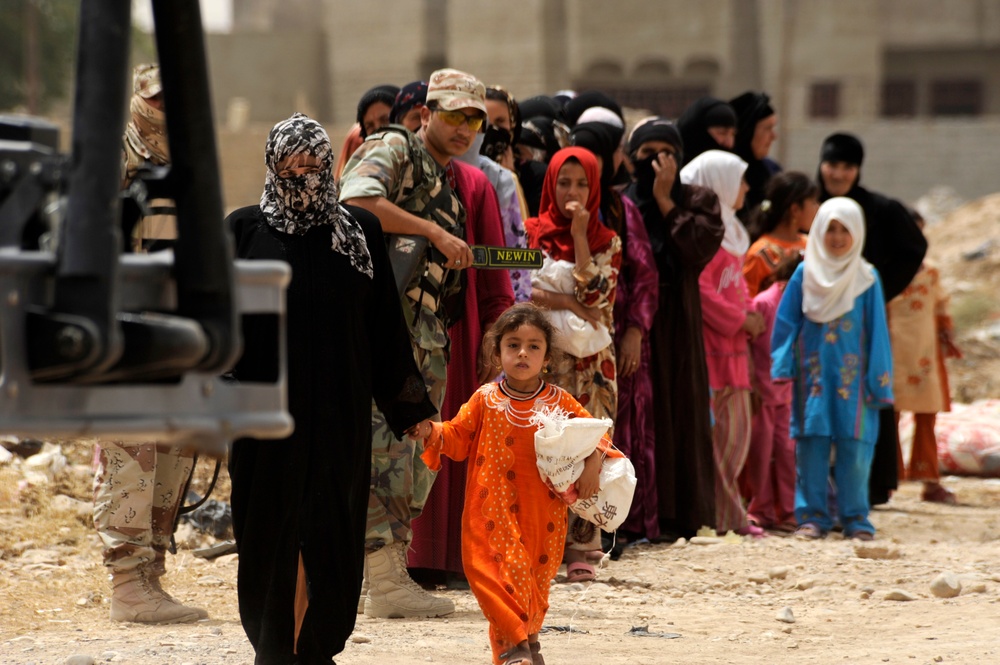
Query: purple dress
pixel 635 306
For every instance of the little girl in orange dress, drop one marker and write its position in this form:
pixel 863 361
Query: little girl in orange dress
pixel 513 524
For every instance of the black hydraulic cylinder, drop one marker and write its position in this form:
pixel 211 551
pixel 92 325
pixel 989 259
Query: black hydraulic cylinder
pixel 203 264
pixel 85 288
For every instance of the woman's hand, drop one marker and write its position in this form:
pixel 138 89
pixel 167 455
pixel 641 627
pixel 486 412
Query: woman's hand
pixel 590 480
pixel 665 167
pixel 421 430
pixel 629 352
pixel 591 315
pixel 580 220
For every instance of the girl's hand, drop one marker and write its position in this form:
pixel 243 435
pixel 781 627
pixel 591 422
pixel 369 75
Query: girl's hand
pixel 580 220
pixel 590 480
pixel 754 324
pixel 629 352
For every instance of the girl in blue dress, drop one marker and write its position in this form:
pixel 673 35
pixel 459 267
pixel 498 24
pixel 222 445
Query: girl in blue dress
pixel 831 339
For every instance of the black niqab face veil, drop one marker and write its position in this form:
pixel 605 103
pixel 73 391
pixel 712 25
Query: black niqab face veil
pixel 296 204
pixel 655 128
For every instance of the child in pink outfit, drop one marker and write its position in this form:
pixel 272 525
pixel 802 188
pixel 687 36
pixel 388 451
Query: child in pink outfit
pixel 770 466
pixel 728 319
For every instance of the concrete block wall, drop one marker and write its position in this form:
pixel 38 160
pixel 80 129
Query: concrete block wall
pixel 906 158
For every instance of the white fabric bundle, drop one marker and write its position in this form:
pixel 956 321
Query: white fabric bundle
pixel 576 336
pixel 562 444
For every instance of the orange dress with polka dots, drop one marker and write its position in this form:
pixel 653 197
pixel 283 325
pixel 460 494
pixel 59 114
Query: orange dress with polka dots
pixel 513 525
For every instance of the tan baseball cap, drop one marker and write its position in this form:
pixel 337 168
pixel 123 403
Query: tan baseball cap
pixel 146 80
pixel 452 90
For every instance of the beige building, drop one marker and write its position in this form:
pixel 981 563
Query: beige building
pixel 917 80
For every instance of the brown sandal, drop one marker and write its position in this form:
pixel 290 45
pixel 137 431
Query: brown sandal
pixel 518 655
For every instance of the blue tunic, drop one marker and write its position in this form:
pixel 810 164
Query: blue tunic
pixel 842 369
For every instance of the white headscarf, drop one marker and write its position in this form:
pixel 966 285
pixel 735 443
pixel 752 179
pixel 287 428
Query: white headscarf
pixel 722 172
pixel 830 284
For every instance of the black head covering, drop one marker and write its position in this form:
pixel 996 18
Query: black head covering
pixel 540 105
pixel 655 128
pixel 575 107
pixel 751 108
pixel 695 121
pixel 380 93
pixel 410 96
pixel 842 148
pixel 601 139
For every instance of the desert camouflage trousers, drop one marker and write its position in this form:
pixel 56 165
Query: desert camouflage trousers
pixel 137 493
pixel 401 482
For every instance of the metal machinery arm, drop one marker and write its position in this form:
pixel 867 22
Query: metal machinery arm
pixel 129 346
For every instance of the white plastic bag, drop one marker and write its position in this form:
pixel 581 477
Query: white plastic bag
pixel 562 444
pixel 609 507
pixel 577 336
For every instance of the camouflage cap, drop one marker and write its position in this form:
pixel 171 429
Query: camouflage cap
pixel 146 80
pixel 453 90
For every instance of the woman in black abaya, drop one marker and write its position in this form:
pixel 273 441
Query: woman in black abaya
pixel 300 504
pixel 685 230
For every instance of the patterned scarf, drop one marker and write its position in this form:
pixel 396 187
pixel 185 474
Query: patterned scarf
pixel 296 204
pixel 145 138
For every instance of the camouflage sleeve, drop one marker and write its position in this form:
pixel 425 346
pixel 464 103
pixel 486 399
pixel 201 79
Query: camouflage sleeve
pixel 375 168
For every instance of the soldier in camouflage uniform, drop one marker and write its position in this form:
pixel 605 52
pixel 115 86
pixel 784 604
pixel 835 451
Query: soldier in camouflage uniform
pixel 407 181
pixel 138 489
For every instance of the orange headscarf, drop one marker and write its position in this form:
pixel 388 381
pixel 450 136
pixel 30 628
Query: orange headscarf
pixel 550 231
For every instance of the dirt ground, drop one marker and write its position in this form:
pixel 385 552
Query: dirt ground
pixel 721 600
pixel 699 603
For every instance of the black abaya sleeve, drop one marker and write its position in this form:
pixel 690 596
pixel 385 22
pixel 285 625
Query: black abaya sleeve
pixel 895 244
pixel 397 385
pixel 696 228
